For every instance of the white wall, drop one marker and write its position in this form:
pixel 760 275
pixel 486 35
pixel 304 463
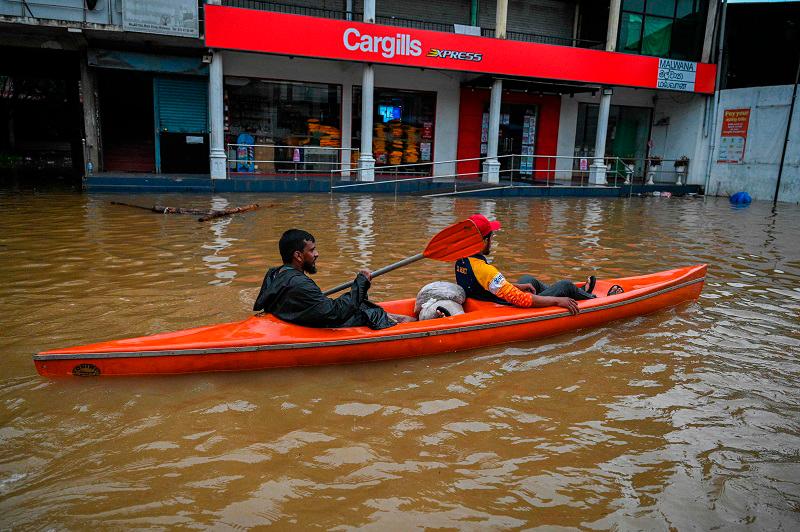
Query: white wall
pixel 682 117
pixel 758 173
pixel 567 125
pixel 444 84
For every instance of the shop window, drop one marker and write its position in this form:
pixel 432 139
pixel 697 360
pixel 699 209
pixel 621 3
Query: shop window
pixel 626 136
pixel 633 5
pixel 663 28
pixel 631 33
pixel 657 36
pixel 684 8
pixel 292 126
pixel 402 128
pixel 663 8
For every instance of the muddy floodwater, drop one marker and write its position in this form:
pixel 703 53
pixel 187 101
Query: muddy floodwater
pixel 687 419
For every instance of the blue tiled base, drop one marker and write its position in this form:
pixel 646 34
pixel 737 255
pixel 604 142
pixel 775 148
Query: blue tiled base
pixel 151 183
pixel 146 183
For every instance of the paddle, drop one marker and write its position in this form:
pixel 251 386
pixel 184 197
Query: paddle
pixel 456 241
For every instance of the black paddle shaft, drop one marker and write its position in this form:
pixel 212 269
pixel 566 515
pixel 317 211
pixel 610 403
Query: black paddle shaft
pixel 385 269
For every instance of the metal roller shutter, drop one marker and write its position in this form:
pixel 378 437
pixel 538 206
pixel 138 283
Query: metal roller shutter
pixel 181 105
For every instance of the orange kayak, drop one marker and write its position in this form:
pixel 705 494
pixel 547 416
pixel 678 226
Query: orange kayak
pixel 263 342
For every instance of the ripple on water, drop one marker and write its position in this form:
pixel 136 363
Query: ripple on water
pixel 686 418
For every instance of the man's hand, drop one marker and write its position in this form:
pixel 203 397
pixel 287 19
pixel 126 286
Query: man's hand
pixel 568 303
pixel 366 273
pixel 525 287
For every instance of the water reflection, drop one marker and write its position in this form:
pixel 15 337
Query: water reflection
pixel 441 215
pixel 686 418
pixel 220 264
pixel 363 234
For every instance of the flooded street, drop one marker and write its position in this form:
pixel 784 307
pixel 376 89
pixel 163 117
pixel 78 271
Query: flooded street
pixel 687 418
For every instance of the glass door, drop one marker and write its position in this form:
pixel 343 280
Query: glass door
pixel 516 138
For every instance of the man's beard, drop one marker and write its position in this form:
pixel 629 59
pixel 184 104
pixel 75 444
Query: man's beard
pixel 310 267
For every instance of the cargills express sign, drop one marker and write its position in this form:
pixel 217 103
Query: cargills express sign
pixel 401 44
pixel 278 33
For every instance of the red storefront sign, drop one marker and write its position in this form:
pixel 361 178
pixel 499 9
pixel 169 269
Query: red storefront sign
pixel 295 35
pixel 733 136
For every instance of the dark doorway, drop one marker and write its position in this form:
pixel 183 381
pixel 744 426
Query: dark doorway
pixel 183 153
pixel 41 121
pixel 126 114
pixel 592 23
pixel 516 142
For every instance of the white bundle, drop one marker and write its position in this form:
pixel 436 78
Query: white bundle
pixel 443 294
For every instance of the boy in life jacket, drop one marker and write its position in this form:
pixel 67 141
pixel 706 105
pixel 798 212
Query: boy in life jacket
pixel 480 280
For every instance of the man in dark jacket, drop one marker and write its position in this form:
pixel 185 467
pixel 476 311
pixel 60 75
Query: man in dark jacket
pixel 289 294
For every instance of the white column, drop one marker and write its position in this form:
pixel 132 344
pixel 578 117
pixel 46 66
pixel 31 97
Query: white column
pixel 366 162
pixel 216 115
pixel 597 173
pixel 491 166
pixel 613 25
pixel 708 39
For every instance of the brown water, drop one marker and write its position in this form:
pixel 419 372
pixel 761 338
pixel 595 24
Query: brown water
pixel 688 418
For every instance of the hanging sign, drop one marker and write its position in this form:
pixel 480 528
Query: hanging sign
pixel 269 32
pixel 676 75
pixel 733 135
pixel 165 17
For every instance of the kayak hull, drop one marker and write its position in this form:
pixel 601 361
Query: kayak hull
pixel 264 342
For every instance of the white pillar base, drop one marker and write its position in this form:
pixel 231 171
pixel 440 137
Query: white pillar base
pixel 218 163
pixel 629 169
pixel 491 171
pixel 597 173
pixel 652 174
pixel 366 165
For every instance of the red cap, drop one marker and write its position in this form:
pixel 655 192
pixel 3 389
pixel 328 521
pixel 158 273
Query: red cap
pixel 484 225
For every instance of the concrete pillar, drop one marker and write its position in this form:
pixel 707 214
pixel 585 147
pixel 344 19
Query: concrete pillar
pixel 91 152
pixel 366 162
pixel 708 39
pixel 216 115
pixel 613 25
pixel 597 172
pixel 491 166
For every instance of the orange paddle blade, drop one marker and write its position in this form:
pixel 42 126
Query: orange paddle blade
pixel 459 240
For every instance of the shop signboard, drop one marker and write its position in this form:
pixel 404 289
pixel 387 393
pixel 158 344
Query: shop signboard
pixel 295 35
pixel 733 135
pixel 425 151
pixel 528 142
pixel 676 75
pixel 164 17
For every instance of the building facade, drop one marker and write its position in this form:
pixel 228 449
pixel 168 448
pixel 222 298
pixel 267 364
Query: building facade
pixel 535 90
pixel 103 85
pixel 556 84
